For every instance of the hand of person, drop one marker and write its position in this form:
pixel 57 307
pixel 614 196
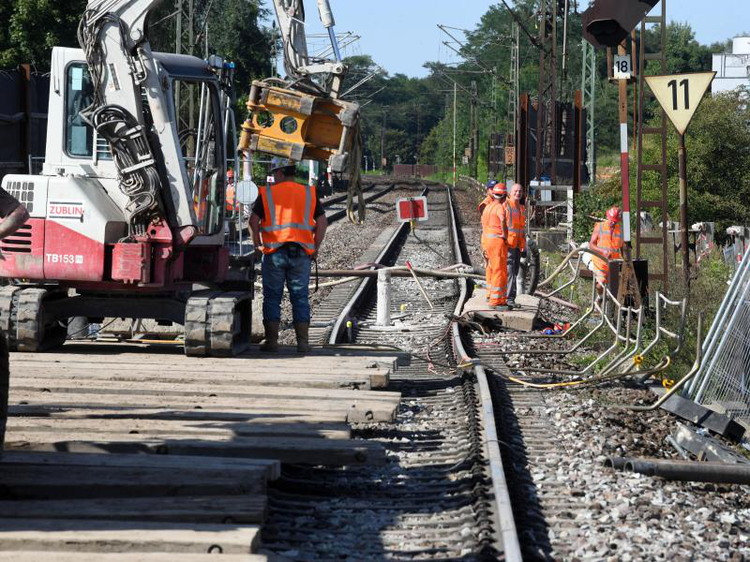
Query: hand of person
pixel 258 252
pixel 314 255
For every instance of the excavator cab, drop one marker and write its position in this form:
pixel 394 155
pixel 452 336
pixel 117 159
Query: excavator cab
pixel 83 254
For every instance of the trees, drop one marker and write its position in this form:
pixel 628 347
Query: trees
pixel 34 26
pixel 233 30
pixel 718 172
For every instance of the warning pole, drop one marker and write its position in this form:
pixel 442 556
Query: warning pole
pixel 628 285
pixel 624 157
pixel 682 157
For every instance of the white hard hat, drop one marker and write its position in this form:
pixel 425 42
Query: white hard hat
pixel 279 163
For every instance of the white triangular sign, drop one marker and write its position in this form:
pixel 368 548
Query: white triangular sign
pixel 680 95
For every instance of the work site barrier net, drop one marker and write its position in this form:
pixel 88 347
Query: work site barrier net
pixel 723 381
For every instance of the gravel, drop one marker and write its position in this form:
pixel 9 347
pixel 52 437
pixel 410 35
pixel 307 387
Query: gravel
pixel 615 515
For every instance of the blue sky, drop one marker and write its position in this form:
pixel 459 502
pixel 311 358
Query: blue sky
pixel 401 35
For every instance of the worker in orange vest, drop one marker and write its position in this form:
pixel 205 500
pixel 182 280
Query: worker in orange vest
pixel 515 217
pixel 607 240
pixel 488 197
pixel 495 245
pixel 288 224
pixel 231 204
pixel 486 202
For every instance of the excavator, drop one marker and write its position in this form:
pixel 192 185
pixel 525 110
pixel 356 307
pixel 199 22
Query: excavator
pixel 128 214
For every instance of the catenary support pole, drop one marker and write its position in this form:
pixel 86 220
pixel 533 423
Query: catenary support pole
pixel 455 101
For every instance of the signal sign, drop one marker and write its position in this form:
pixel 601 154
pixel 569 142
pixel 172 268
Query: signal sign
pixel 413 208
pixel 623 68
pixel 680 95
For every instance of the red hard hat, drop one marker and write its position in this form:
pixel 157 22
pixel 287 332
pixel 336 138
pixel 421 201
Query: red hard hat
pixel 614 214
pixel 499 189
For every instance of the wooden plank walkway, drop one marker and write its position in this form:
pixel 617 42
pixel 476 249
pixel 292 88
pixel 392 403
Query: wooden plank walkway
pixel 79 474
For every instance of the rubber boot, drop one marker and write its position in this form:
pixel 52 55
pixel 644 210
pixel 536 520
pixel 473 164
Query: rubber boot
pixel 271 342
pixel 302 330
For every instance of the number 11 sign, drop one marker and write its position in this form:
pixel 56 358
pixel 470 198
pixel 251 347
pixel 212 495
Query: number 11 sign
pixel 680 95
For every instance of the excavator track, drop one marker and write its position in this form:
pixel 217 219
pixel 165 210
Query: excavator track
pixel 217 324
pixel 4 389
pixel 23 321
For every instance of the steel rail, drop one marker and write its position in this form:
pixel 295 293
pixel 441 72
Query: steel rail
pixel 367 284
pixel 340 214
pixel 505 537
pixel 505 520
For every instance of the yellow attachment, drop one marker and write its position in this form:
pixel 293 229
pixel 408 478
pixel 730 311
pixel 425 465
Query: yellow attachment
pixel 667 383
pixel 638 360
pixel 300 126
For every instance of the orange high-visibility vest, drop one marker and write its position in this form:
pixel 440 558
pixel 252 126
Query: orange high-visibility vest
pixel 230 203
pixel 486 202
pixel 495 225
pixel 515 217
pixel 289 210
pixel 609 239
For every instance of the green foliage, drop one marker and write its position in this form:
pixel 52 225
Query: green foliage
pixel 594 203
pixel 32 27
pixel 718 164
pixel 234 32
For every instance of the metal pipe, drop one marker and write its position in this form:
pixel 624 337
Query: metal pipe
pixel 689 471
pixel 682 382
pixel 419 284
pixel 397 272
pixel 591 365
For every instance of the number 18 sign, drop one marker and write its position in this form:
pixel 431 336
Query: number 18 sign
pixel 680 95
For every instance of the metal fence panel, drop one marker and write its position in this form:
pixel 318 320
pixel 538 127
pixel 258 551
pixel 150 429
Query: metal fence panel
pixel 723 381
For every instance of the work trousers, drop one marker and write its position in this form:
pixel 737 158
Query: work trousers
pixel 601 270
pixel 288 265
pixel 514 265
pixel 497 270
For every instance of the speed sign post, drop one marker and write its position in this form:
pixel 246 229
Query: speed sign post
pixel 679 96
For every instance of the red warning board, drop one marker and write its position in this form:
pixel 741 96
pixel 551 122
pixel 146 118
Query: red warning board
pixel 412 208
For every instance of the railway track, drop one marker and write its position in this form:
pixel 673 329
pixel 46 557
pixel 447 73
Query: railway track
pixel 336 205
pixel 422 477
pixel 436 498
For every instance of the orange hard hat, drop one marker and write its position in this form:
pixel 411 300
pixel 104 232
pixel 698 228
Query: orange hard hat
pixel 614 214
pixel 499 189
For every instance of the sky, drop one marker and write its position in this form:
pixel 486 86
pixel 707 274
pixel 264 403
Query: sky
pixel 401 35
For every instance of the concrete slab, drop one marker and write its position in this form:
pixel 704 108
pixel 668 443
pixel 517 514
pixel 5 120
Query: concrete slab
pixel 521 319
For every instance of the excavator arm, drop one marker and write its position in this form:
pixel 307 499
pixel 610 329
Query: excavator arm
pixel 302 117
pixel 131 110
pixel 298 64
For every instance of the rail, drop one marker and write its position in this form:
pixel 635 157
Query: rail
pixel 504 518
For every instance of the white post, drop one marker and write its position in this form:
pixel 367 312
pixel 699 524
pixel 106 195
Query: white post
pixel 384 298
pixel 569 218
pixel 247 165
pixel 312 176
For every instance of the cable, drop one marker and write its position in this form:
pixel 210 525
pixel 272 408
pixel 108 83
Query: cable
pixel 665 363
